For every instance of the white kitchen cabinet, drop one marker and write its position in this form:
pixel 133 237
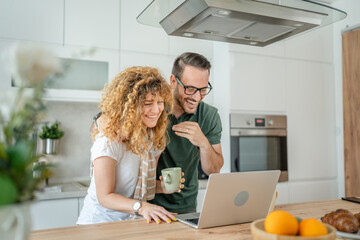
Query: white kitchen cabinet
pixel 315 45
pixel 311 123
pixel 36 20
pixel 179 45
pixel 313 191
pixel 80 204
pixel 276 49
pixel 200 199
pixel 102 56
pixel 257 83
pixel 98 26
pixel 110 57
pixel 138 37
pixel 54 213
pixel 159 61
pixel 283 193
pixel 5 68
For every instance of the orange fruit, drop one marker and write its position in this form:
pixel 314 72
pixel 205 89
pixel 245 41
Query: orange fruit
pixel 312 227
pixel 281 223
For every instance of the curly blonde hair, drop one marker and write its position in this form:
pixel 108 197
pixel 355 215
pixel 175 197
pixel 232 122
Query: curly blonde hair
pixel 122 106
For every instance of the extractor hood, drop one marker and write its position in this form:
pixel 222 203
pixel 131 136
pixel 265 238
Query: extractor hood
pixel 250 22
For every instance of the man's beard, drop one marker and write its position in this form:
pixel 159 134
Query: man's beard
pixel 178 98
pixel 179 103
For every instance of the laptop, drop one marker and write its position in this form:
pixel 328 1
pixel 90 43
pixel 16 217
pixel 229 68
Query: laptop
pixel 232 198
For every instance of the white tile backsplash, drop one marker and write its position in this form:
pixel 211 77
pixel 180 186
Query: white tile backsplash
pixel 75 119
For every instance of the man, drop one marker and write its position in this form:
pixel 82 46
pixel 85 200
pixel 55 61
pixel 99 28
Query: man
pixel 194 132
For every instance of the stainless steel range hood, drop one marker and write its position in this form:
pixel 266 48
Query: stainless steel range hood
pixel 251 22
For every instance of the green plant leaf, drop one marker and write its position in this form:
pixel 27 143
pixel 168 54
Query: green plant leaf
pixel 9 193
pixel 20 154
pixel 2 151
pixel 52 132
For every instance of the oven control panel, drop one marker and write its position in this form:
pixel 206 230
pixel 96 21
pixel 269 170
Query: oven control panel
pixel 257 121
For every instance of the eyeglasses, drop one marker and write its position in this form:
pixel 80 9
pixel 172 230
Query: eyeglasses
pixel 189 90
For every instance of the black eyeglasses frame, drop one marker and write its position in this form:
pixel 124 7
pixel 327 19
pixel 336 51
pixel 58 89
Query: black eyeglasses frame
pixel 197 89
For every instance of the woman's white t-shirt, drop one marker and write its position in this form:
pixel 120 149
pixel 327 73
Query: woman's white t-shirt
pixel 126 175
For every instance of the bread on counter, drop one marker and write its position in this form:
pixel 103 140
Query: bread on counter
pixel 343 220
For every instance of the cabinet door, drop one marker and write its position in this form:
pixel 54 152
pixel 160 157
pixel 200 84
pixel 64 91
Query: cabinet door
pixel 138 37
pixel 257 83
pixel 283 193
pixel 101 56
pixel 80 204
pixel 36 20
pixel 351 100
pixel 200 199
pixel 98 25
pixel 54 213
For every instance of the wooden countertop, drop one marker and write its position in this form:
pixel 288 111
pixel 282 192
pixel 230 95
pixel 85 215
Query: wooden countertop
pixel 139 229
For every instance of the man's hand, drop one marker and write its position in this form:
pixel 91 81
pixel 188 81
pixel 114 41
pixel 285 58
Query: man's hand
pixel 160 185
pixel 210 155
pixel 191 131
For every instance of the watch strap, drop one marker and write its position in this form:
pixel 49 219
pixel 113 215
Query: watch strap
pixel 136 210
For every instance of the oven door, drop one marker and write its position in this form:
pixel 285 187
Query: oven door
pixel 258 150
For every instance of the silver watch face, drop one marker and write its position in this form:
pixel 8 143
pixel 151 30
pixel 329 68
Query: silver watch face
pixel 136 206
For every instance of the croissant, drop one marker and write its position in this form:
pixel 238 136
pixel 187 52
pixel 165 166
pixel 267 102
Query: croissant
pixel 357 215
pixel 342 220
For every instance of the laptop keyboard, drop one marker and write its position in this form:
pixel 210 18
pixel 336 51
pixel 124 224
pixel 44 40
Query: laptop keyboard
pixel 193 220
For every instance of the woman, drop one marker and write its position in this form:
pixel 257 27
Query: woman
pixel 135 106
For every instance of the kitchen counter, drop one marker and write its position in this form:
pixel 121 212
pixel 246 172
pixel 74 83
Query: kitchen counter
pixel 74 189
pixel 139 229
pixel 61 191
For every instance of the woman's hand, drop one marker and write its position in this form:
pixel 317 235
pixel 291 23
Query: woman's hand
pixel 162 185
pixel 154 212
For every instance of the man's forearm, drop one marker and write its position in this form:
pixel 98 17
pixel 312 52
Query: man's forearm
pixel 211 160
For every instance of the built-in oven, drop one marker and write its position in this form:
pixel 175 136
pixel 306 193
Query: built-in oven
pixel 259 142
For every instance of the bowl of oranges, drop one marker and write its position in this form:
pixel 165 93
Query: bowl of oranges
pixel 282 225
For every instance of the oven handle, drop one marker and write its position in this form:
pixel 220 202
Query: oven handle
pixel 258 132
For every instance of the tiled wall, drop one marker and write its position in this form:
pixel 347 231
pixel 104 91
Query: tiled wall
pixel 73 156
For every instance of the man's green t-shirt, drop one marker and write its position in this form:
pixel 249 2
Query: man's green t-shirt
pixel 180 152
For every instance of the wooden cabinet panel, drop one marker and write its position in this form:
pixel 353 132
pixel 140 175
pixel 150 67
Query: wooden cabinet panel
pixel 351 108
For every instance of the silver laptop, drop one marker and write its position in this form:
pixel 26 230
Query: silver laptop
pixel 233 198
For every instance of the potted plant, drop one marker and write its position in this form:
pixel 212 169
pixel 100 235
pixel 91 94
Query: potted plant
pixel 20 112
pixel 50 136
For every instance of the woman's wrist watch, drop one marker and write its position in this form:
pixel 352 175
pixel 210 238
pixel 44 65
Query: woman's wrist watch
pixel 136 206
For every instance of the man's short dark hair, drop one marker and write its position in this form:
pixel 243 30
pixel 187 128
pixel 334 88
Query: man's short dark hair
pixel 189 59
